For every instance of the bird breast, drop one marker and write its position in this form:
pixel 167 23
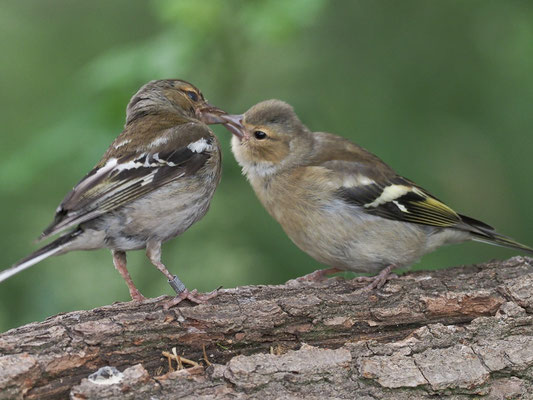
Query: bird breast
pixel 162 214
pixel 336 233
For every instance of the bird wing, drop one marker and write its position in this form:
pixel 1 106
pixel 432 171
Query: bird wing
pixel 123 176
pixel 400 199
pixel 363 179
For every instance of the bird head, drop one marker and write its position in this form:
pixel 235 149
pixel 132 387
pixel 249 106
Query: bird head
pixel 268 137
pixel 171 96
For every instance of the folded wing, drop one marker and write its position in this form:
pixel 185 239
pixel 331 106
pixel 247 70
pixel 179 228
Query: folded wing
pixel 125 177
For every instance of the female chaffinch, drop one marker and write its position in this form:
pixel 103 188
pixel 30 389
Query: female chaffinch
pixel 340 203
pixel 155 180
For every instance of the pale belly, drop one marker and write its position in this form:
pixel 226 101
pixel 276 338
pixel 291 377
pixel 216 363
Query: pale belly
pixel 339 237
pixel 160 215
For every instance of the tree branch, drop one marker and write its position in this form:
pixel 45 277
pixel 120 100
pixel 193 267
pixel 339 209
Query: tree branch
pixel 456 333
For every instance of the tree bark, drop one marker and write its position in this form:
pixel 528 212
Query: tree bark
pixel 459 333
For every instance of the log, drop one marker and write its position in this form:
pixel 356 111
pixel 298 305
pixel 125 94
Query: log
pixel 459 333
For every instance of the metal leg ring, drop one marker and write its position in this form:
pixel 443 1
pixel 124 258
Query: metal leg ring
pixel 177 285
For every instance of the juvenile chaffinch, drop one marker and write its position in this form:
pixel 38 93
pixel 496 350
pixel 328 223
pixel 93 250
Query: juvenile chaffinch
pixel 340 203
pixel 155 180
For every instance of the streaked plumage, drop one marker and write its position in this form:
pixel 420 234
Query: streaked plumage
pixel 155 180
pixel 340 203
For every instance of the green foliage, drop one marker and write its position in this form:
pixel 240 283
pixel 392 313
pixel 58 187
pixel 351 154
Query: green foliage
pixel 441 91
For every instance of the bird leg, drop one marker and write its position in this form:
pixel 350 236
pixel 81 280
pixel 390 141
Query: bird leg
pixel 376 282
pixel 119 260
pixel 153 252
pixel 317 276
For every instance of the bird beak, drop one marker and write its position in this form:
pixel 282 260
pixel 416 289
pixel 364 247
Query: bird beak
pixel 209 114
pixel 233 123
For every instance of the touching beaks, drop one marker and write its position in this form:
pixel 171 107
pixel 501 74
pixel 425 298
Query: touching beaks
pixel 209 114
pixel 233 123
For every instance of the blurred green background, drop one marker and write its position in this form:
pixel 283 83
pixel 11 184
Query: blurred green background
pixel 442 91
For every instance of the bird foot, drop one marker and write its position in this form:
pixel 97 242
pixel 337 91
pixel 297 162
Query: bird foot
pixel 137 296
pixel 193 296
pixel 317 276
pixel 377 282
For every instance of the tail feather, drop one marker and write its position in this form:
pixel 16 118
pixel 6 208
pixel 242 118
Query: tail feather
pixel 58 246
pixel 500 240
pixel 486 234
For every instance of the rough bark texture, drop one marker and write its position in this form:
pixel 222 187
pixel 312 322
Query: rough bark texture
pixel 462 333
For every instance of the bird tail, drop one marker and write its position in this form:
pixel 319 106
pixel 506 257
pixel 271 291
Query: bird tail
pixel 58 246
pixel 486 234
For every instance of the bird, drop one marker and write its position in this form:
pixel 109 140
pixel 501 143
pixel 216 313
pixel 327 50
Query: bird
pixel 340 203
pixel 155 180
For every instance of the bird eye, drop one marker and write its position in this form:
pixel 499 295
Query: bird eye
pixel 260 135
pixel 192 95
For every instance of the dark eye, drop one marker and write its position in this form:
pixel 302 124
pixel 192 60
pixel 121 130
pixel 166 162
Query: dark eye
pixel 192 95
pixel 260 135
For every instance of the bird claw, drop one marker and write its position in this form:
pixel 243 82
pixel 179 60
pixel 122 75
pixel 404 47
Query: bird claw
pixel 193 296
pixel 377 282
pixel 316 276
pixel 138 297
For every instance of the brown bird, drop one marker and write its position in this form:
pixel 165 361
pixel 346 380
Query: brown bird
pixel 155 180
pixel 340 203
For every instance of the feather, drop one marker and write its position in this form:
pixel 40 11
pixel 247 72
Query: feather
pixel 58 246
pixel 123 177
